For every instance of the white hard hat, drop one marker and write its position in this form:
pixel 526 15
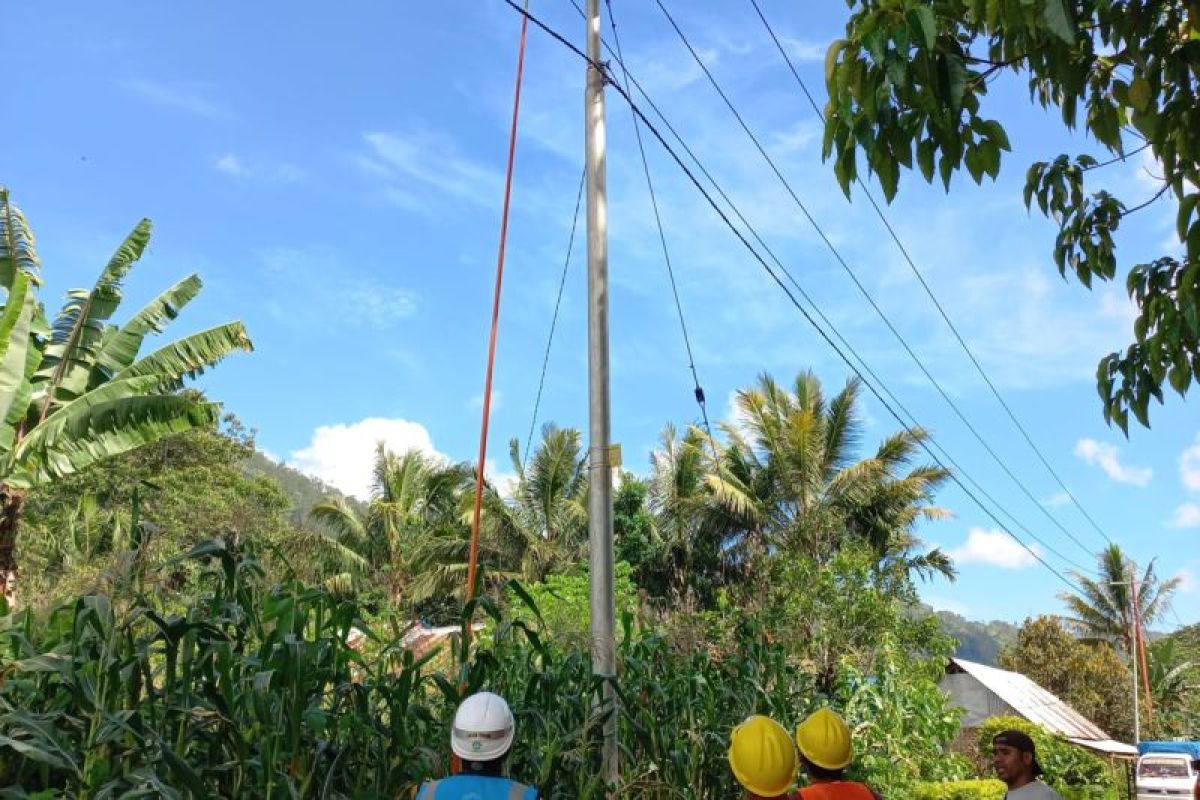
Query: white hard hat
pixel 483 728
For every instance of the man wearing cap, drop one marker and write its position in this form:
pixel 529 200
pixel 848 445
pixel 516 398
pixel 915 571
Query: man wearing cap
pixel 1015 760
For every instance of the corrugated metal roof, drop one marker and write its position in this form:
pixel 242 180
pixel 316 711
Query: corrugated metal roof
pixel 1108 747
pixel 1033 702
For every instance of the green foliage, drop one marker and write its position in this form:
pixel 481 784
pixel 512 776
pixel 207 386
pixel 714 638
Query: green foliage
pixel 902 724
pixel 990 789
pixel 1070 769
pixel 74 393
pixel 188 488
pixel 848 612
pixel 910 82
pixel 1089 677
pixel 565 606
pixel 253 691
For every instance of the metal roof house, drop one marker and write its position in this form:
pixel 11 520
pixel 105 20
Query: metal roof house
pixel 984 692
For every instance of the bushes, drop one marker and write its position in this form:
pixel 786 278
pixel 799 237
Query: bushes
pixel 1072 770
pixel 961 790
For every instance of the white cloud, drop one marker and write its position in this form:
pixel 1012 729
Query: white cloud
pixel 497 400
pixel 1057 500
pixel 418 164
pixel 237 168
pixel 1189 466
pixel 994 547
pixel 1107 457
pixel 1186 515
pixel 505 482
pixel 343 455
pixel 1187 580
pixel 355 299
pixel 231 165
pixel 801 50
pixel 192 97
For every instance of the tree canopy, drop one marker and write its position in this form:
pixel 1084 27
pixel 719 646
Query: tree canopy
pixel 908 86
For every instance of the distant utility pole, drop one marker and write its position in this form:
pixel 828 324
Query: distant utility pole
pixel 600 526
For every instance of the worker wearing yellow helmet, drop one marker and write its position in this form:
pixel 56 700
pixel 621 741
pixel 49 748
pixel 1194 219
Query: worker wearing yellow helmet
pixel 825 752
pixel 762 757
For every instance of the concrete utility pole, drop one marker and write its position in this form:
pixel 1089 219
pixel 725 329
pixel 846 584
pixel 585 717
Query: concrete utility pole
pixel 600 528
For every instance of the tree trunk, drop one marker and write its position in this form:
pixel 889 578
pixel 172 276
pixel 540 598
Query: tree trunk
pixel 11 501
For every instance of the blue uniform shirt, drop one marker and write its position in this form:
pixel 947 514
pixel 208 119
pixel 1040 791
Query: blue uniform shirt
pixel 476 787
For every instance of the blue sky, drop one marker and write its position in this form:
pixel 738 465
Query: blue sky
pixel 336 180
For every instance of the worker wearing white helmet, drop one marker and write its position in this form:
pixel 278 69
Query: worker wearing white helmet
pixel 481 737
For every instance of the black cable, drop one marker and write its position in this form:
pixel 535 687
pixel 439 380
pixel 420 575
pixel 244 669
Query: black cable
pixel 817 309
pixel 865 292
pixel 697 390
pixel 562 282
pixel 778 281
pixel 929 291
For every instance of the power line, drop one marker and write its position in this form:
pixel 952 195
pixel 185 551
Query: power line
pixel 697 390
pixel 778 281
pixel 817 309
pixel 863 289
pixel 562 282
pixel 929 291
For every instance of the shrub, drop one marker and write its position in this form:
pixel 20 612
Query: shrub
pixel 1074 772
pixel 990 789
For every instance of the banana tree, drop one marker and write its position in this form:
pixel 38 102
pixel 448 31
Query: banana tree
pixel 75 392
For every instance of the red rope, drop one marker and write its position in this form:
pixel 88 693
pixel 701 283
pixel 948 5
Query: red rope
pixel 473 558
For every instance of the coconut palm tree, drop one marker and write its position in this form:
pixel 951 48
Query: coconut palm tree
pixel 542 527
pixel 76 392
pixel 792 469
pixel 414 497
pixel 695 510
pixel 1102 611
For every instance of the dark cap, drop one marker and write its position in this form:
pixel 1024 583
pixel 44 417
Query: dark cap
pixel 1021 742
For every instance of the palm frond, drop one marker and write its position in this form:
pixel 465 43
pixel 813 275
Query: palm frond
pixel 103 431
pixel 120 346
pixel 79 327
pixel 14 343
pixel 191 355
pixel 18 248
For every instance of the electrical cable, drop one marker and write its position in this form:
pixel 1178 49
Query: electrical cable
pixel 627 75
pixel 562 282
pixel 929 291
pixel 697 390
pixel 778 281
pixel 865 292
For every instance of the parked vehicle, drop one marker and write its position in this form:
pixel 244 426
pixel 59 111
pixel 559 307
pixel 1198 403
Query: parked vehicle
pixel 1168 770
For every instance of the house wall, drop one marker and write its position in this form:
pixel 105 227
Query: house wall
pixel 979 704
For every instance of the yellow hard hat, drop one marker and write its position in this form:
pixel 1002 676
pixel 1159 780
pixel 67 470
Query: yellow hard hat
pixel 824 740
pixel 762 757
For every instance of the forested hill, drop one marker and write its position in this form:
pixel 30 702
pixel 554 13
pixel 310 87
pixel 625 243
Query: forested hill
pixel 303 490
pixel 977 641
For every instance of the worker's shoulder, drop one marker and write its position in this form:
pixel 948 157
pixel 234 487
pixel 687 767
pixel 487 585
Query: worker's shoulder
pixel 1034 791
pixel 485 788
